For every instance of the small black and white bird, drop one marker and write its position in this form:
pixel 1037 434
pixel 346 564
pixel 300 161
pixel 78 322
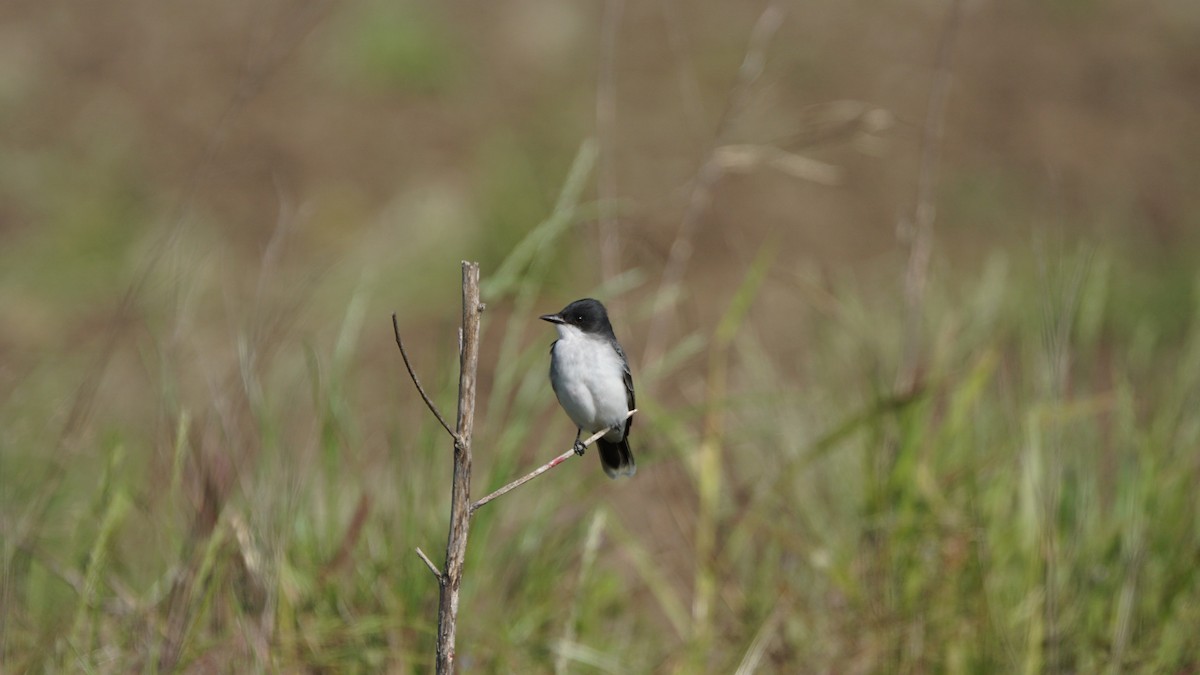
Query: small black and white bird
pixel 591 379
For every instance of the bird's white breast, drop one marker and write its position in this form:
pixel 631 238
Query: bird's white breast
pixel 589 379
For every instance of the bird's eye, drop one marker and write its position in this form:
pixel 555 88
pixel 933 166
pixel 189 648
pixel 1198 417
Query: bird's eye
pixel 579 318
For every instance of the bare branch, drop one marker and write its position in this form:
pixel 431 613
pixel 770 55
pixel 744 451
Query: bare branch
pixel 545 467
pixel 460 494
pixel 437 574
pixel 417 382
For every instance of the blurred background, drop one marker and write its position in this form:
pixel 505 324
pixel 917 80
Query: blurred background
pixel 851 458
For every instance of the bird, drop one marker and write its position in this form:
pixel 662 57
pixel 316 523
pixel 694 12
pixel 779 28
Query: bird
pixel 590 376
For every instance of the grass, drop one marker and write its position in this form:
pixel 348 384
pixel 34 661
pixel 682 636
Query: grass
pixel 1030 509
pixel 250 500
pixel 230 472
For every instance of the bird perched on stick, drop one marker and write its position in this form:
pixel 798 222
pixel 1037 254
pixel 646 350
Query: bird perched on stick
pixel 590 376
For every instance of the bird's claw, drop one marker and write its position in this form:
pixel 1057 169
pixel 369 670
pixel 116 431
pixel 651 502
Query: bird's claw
pixel 579 448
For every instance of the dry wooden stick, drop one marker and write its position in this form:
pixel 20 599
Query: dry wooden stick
pixel 460 497
pixel 450 580
pixel 437 574
pixel 546 467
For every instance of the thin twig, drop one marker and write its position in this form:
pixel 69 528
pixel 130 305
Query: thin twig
pixel 547 466
pixel 417 382
pixel 437 574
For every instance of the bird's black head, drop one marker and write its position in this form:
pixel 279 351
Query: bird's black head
pixel 587 315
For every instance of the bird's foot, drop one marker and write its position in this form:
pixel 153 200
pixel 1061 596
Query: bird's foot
pixel 579 447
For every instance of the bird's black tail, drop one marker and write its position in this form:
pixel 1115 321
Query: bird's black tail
pixel 616 458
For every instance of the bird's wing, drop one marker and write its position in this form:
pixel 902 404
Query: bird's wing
pixel 629 398
pixel 552 378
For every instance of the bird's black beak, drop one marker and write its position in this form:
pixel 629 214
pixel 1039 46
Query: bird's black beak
pixel 552 318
